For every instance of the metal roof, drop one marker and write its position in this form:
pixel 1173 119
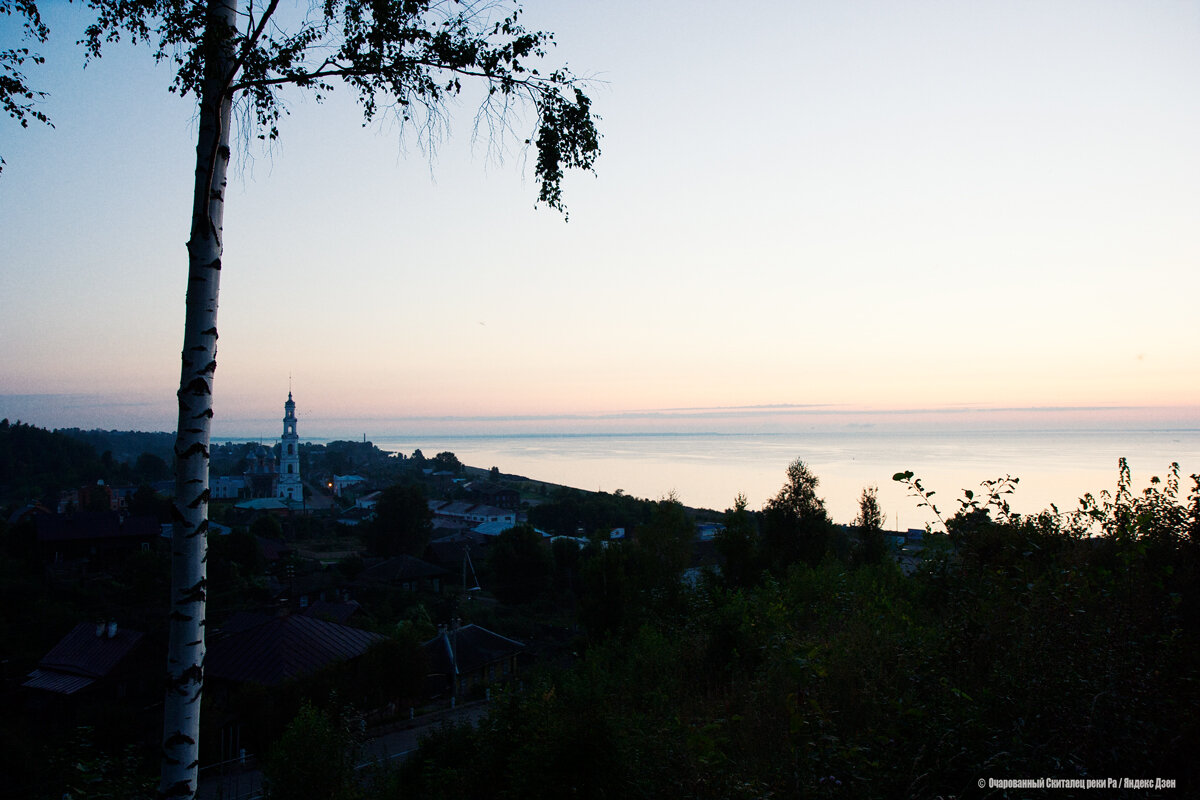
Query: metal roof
pixel 81 657
pixel 402 568
pixel 271 650
pixel 83 652
pixel 56 682
pixel 86 525
pixel 468 649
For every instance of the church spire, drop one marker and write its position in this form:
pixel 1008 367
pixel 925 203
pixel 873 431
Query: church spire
pixel 290 487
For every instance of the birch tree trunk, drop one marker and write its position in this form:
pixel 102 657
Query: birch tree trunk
pixel 189 542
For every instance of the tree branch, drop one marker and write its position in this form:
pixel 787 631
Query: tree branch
pixel 536 84
pixel 250 43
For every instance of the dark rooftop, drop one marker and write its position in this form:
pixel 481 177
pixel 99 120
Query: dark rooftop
pixel 469 648
pixel 94 525
pixel 400 569
pixel 257 648
pixel 81 657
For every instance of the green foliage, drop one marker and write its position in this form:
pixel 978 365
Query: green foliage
pixel 266 526
pixel 738 546
pixel 570 511
pixel 448 462
pixel 126 446
pixel 796 527
pixel 411 58
pixel 147 502
pixel 392 670
pixel 453 762
pixel 17 99
pixel 314 759
pixel 241 547
pixel 89 768
pixel 1033 650
pixel 872 548
pixel 519 565
pixel 34 461
pixel 403 523
pixel 567 561
pixel 342 457
pixel 663 547
pixel 150 468
pixel 607 593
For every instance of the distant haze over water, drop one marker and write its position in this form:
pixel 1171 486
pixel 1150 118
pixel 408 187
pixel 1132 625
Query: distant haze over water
pixel 709 469
pixel 709 455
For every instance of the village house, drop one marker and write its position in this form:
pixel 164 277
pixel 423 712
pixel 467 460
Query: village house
pixel 469 657
pixel 473 514
pixel 492 494
pixel 95 663
pixel 255 652
pixel 93 537
pixel 406 572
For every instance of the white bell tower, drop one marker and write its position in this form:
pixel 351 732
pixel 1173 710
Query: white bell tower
pixel 290 487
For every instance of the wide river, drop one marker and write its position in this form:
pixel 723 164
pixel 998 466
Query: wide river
pixel 710 470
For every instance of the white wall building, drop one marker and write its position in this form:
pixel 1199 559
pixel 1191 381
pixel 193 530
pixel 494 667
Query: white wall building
pixel 290 487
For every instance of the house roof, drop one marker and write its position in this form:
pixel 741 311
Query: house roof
pixel 257 648
pixel 402 568
pixel 80 658
pixel 331 611
pixel 467 649
pixel 90 525
pixel 273 550
pixel 447 524
pixel 490 488
pixel 57 682
pixel 449 549
pixel 25 511
pixel 265 504
pixel 493 528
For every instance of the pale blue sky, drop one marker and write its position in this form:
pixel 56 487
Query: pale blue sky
pixel 857 205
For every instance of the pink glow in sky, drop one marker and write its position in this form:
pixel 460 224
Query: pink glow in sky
pixel 869 206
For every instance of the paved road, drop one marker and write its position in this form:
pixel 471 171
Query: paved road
pixel 238 782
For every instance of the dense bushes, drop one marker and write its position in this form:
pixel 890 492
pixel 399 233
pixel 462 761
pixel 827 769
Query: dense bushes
pixel 1023 648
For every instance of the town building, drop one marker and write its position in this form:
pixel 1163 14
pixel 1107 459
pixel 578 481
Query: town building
pixel 469 657
pixel 264 475
pixel 290 487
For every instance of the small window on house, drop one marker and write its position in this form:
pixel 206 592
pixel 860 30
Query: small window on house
pixel 145 547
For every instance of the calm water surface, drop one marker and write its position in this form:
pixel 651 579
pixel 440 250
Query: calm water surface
pixel 709 470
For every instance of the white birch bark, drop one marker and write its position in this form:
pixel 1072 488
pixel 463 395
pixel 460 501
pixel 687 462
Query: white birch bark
pixel 189 543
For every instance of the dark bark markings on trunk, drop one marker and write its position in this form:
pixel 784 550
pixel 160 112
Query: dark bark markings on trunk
pixel 189 543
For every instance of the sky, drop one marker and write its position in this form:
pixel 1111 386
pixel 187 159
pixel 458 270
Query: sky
pixel 828 211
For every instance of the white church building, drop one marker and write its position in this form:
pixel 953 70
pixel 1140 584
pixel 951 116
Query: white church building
pixel 263 476
pixel 290 487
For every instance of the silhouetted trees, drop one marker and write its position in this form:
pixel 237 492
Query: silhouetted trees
pixel 1065 642
pixel 519 565
pixel 796 526
pixel 403 523
pixel 869 526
